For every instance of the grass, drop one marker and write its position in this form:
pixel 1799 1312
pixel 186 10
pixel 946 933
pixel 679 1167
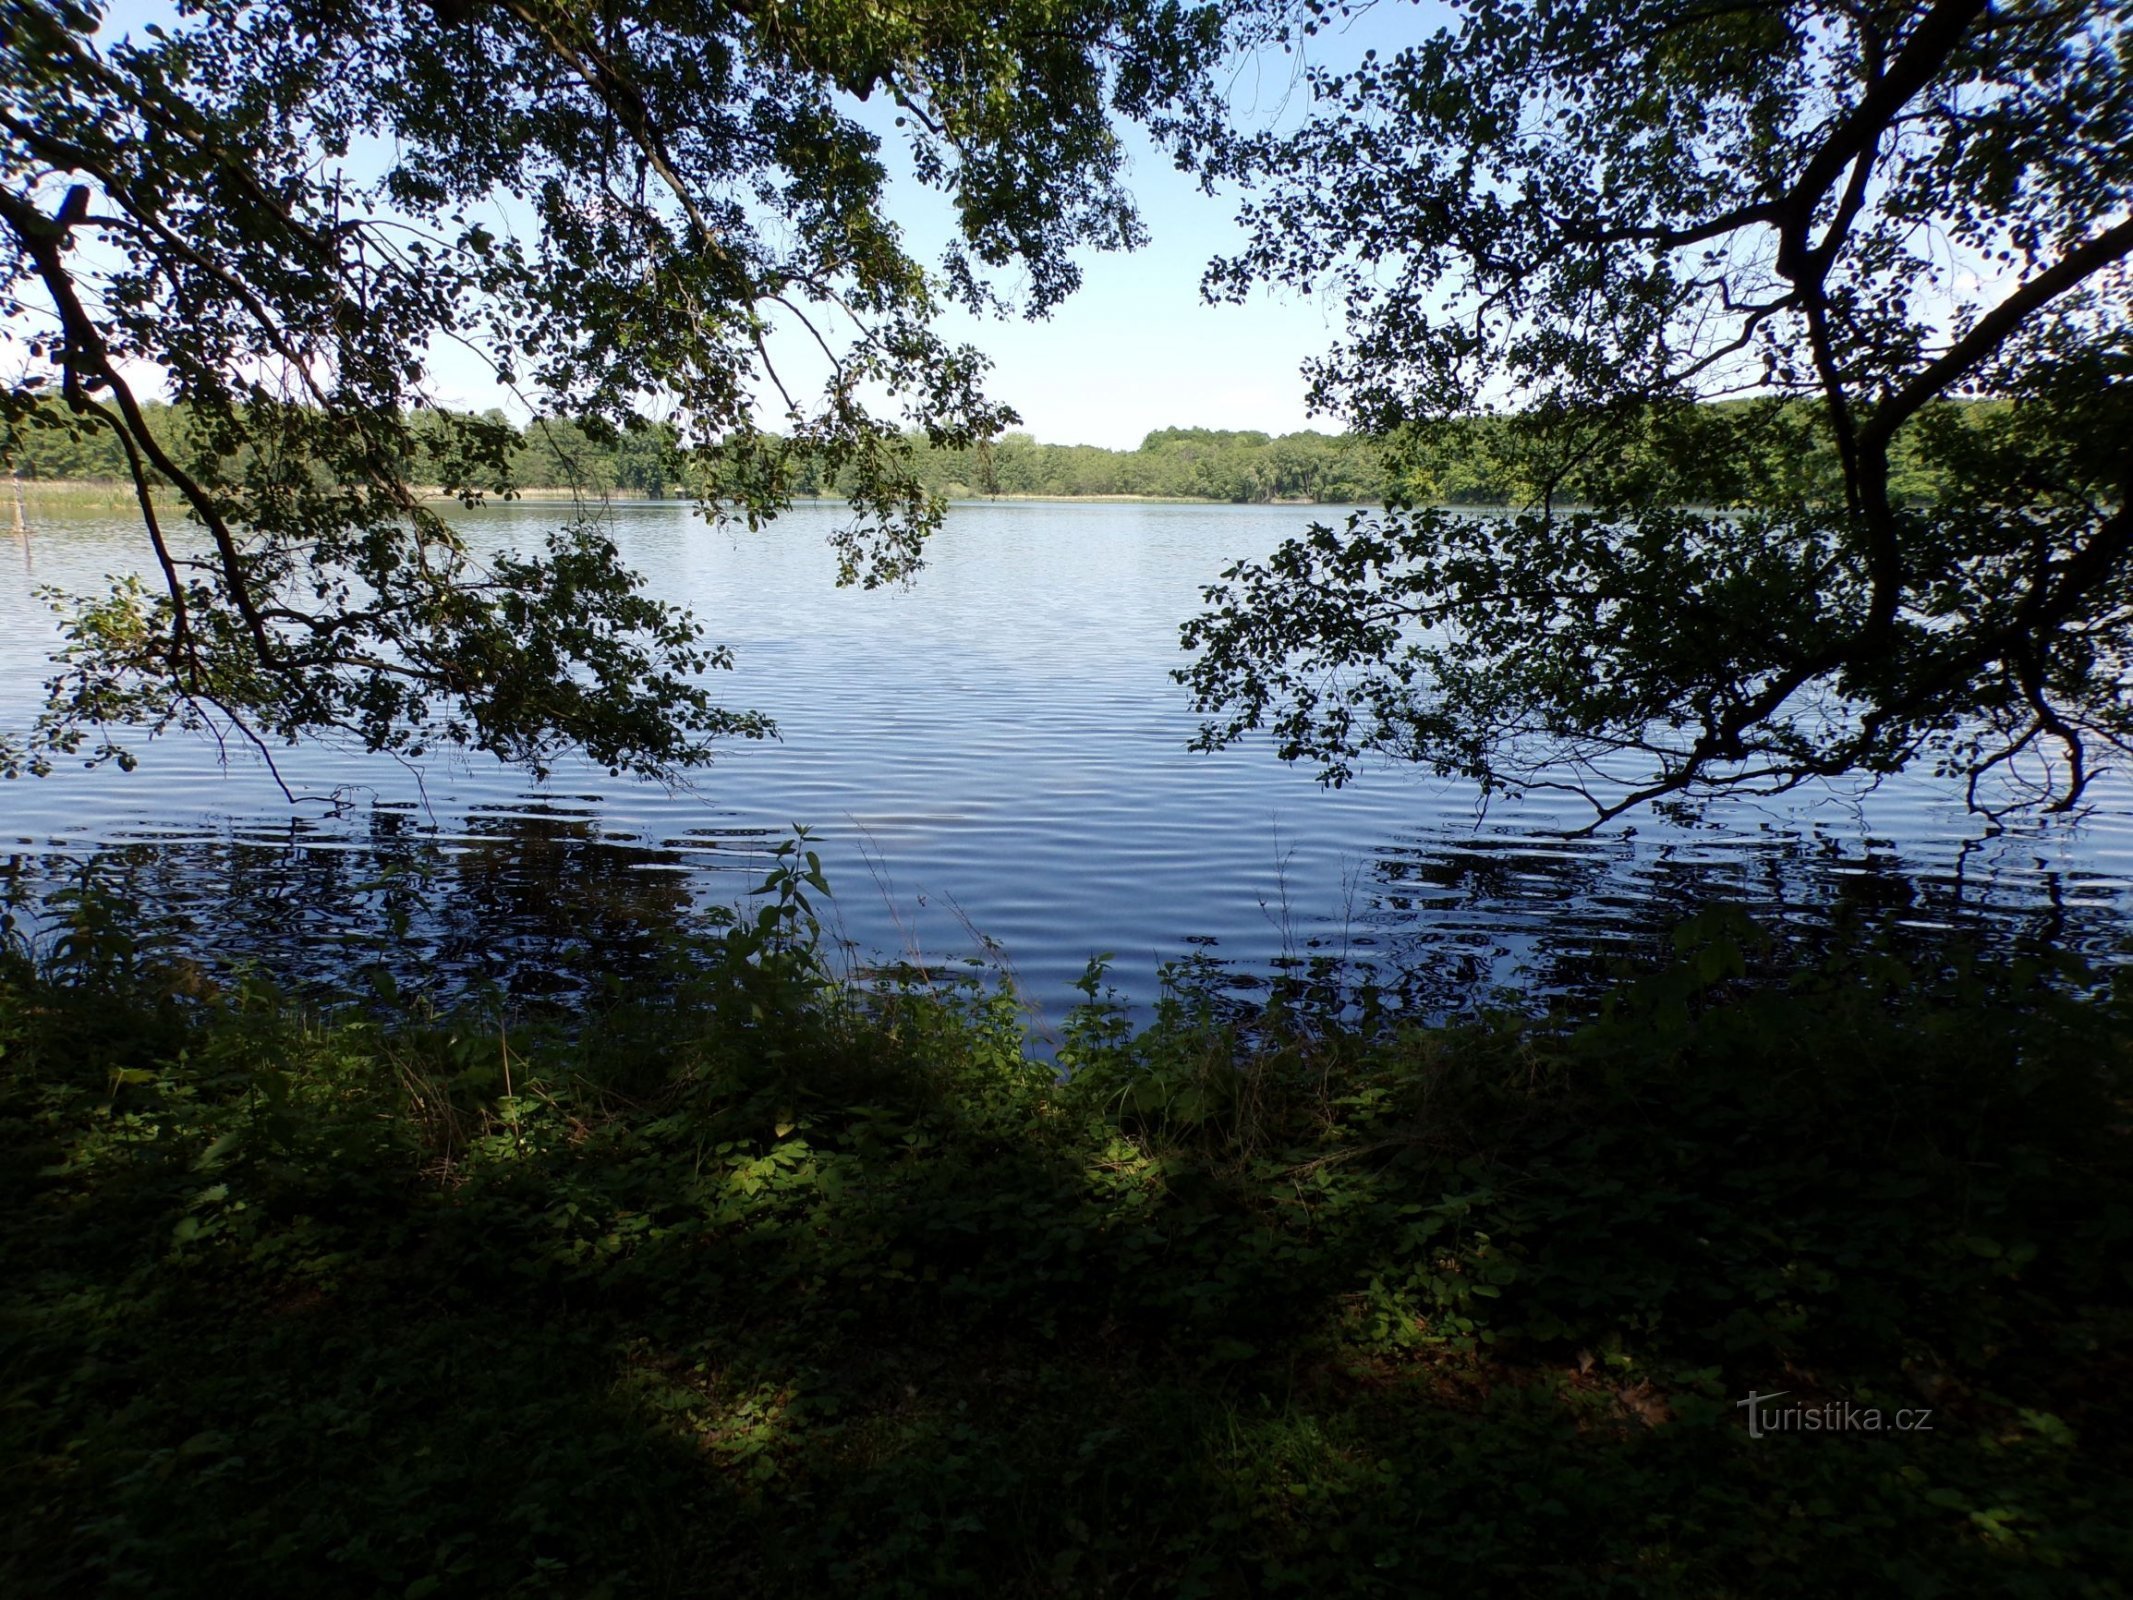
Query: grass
pixel 749 1282
pixel 64 497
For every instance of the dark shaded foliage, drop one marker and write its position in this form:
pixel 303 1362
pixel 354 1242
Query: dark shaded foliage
pixel 749 1280
pixel 1597 219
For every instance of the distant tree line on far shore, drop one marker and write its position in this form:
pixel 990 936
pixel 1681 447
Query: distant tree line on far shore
pixel 1484 460
pixel 1242 466
pixel 558 453
pixel 554 453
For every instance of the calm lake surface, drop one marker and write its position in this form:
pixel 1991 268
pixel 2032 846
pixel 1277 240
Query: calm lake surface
pixel 996 751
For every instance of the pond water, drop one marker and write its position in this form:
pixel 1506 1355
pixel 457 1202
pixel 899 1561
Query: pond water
pixel 995 753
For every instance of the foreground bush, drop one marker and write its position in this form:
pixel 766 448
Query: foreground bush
pixel 751 1282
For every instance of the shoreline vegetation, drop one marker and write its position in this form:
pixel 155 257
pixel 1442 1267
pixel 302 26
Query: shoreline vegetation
pixel 1475 461
pixel 560 460
pixel 830 1288
pixel 113 491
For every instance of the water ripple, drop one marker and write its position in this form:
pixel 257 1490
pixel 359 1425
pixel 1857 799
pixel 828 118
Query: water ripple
pixel 997 749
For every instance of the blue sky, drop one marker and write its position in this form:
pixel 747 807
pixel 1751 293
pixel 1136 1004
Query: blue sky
pixel 1137 348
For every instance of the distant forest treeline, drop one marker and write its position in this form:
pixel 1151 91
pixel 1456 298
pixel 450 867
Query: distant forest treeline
pixel 1179 463
pixel 553 454
pixel 1172 463
pixel 1488 460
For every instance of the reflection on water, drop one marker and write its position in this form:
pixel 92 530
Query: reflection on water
pixel 540 905
pixel 998 751
pixel 546 904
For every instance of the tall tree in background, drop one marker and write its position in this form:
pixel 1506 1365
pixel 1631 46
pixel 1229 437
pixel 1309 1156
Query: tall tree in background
pixel 1846 215
pixel 274 211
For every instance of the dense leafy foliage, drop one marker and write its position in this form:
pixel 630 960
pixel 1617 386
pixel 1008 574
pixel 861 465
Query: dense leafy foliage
pixel 1592 217
pixel 751 1279
pixel 276 212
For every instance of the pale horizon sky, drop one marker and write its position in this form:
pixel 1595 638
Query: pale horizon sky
pixel 1137 348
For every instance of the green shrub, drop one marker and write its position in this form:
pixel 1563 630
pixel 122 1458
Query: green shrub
pixel 753 1280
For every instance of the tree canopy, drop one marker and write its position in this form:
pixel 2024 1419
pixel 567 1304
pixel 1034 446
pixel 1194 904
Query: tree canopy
pixel 273 213
pixel 1844 215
